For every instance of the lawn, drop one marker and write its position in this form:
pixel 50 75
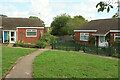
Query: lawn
pixel 61 64
pixel 11 55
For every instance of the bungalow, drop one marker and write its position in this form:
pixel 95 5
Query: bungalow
pixel 29 30
pixel 104 31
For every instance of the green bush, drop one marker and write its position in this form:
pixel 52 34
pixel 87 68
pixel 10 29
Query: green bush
pixel 41 44
pixel 115 43
pixel 91 40
pixel 48 38
pixel 116 55
pixel 45 40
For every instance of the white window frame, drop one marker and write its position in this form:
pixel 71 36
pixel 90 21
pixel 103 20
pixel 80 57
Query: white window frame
pixel 31 31
pixel 84 35
pixel 116 36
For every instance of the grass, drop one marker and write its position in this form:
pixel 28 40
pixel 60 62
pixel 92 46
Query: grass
pixel 11 55
pixel 61 64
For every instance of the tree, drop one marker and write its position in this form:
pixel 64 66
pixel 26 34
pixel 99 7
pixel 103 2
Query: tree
pixel 106 6
pixel 2 15
pixel 59 25
pixel 75 23
pixel 103 5
pixel 38 18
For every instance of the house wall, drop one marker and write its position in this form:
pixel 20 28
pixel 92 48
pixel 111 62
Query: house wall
pixel 21 35
pixel 112 35
pixel 77 37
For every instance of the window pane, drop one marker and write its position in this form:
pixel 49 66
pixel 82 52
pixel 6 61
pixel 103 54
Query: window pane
pixel 28 30
pixel 117 34
pixel 84 36
pixel 117 39
pixel 81 34
pixel 33 30
pixel 31 33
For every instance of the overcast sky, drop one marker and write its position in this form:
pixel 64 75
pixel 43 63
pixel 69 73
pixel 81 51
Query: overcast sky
pixel 48 9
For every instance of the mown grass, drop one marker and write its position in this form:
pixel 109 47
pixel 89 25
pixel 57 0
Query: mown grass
pixel 11 55
pixel 61 64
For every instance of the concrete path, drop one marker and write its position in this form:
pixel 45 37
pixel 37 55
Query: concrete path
pixel 24 67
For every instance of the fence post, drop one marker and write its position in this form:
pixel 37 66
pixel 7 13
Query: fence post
pixel 97 49
pixel 84 48
pixel 110 53
pixel 75 46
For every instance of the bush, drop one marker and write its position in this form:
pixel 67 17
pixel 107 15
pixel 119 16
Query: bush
pixel 41 44
pixel 116 55
pixel 45 40
pixel 48 38
pixel 91 40
pixel 115 43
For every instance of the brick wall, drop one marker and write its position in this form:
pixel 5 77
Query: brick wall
pixel 112 35
pixel 77 37
pixel 21 35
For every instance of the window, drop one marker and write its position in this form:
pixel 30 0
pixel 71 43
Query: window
pixel 31 33
pixel 84 36
pixel 117 37
pixel 41 33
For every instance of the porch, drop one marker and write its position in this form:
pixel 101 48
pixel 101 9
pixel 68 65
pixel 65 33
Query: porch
pixel 9 36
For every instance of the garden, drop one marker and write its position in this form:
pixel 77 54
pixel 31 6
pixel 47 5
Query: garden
pixel 44 41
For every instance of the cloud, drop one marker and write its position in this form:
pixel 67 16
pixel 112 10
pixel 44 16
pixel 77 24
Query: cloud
pixel 42 9
pixel 48 9
pixel 12 11
pixel 14 1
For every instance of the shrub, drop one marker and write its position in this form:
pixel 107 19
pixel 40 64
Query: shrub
pixel 45 40
pixel 91 40
pixel 41 44
pixel 116 55
pixel 115 43
pixel 48 38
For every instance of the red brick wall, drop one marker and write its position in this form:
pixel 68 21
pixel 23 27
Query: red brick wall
pixel 77 37
pixel 28 39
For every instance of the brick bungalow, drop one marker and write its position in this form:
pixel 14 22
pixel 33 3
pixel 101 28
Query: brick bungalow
pixel 28 30
pixel 104 31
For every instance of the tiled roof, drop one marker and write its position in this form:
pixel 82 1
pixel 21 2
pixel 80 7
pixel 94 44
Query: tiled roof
pixel 12 23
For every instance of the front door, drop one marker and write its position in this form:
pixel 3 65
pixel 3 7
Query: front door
pixel 12 36
pixel 102 41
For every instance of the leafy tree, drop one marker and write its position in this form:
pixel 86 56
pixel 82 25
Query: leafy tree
pixel 2 15
pixel 103 6
pixel 75 23
pixel 106 6
pixel 38 18
pixel 59 25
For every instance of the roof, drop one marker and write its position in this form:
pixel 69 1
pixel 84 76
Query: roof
pixel 12 23
pixel 103 25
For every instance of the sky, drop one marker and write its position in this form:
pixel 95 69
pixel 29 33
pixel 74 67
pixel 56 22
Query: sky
pixel 46 10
